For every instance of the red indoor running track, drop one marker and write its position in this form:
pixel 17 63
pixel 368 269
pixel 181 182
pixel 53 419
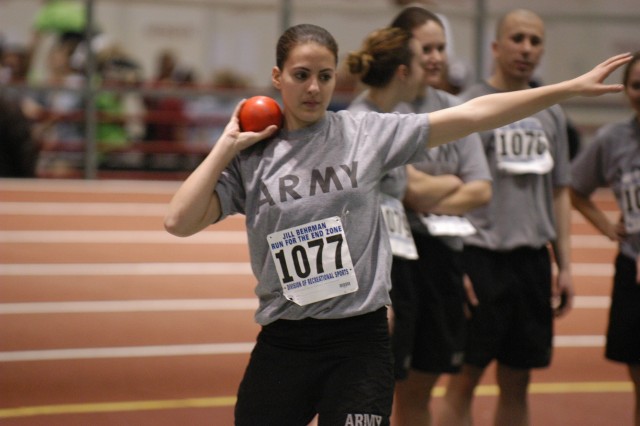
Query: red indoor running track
pixel 105 319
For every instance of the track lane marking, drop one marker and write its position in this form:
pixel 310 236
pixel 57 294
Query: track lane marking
pixel 198 268
pixel 578 341
pixel 149 268
pixel 208 237
pixel 126 352
pixel 120 237
pixel 229 401
pixel 168 305
pixel 118 306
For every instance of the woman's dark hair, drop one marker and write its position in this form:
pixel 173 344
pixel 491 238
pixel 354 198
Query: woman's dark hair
pixel 415 16
pixel 383 51
pixel 300 34
pixel 627 68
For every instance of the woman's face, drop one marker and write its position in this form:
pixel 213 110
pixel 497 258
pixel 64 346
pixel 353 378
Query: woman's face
pixel 632 88
pixel 432 39
pixel 306 84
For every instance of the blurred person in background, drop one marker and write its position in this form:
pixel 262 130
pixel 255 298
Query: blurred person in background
pixel 391 66
pixel 14 64
pixel 167 119
pixel 120 111
pixel 612 159
pixel 208 112
pixel 508 260
pixel 18 149
pixel 429 327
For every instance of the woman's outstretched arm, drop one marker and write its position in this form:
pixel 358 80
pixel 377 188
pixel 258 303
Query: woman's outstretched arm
pixel 498 109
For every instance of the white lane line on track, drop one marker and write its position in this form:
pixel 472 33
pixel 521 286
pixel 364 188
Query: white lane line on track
pixel 144 209
pixel 103 186
pixel 83 209
pixel 98 269
pixel 250 304
pixel 580 341
pixel 117 306
pixel 207 237
pixel 195 268
pixel 592 241
pixel 612 215
pixel 120 237
pixel 127 352
pixel 592 302
pixel 118 186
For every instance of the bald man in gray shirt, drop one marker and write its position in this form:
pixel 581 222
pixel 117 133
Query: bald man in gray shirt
pixel 508 260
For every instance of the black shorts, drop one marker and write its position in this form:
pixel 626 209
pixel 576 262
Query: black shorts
pixel 428 303
pixel 623 334
pixel 340 369
pixel 513 322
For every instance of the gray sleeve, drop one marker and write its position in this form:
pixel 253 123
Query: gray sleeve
pixel 587 169
pixel 562 168
pixel 473 161
pixel 231 191
pixel 399 138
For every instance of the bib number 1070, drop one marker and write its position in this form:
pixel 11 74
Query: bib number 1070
pixel 302 256
pixel 521 143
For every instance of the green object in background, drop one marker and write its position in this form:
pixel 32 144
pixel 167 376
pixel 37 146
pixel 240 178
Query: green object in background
pixel 110 135
pixel 61 16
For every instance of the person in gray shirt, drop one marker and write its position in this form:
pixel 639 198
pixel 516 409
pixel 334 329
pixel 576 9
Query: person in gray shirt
pixel 392 76
pixel 429 323
pixel 508 260
pixel 310 193
pixel 612 159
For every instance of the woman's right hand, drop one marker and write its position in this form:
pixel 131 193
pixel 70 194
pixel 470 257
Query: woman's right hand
pixel 240 140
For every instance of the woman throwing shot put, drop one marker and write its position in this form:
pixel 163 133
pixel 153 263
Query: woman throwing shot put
pixel 311 197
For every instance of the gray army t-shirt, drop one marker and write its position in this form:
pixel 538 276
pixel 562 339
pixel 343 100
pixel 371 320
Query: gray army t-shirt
pixel 613 159
pixel 393 183
pixel 521 213
pixel 331 168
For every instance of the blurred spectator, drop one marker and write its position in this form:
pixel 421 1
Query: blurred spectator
pixel 210 112
pixel 121 112
pixel 56 22
pixel 62 105
pixel 58 110
pixel 18 150
pixel 167 119
pixel 166 65
pixel 14 63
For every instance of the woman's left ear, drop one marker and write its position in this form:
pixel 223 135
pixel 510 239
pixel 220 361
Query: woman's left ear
pixel 402 71
pixel 275 77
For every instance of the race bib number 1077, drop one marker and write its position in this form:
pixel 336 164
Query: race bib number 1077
pixel 313 261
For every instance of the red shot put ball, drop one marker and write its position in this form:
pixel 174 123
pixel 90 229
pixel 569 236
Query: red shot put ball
pixel 258 113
